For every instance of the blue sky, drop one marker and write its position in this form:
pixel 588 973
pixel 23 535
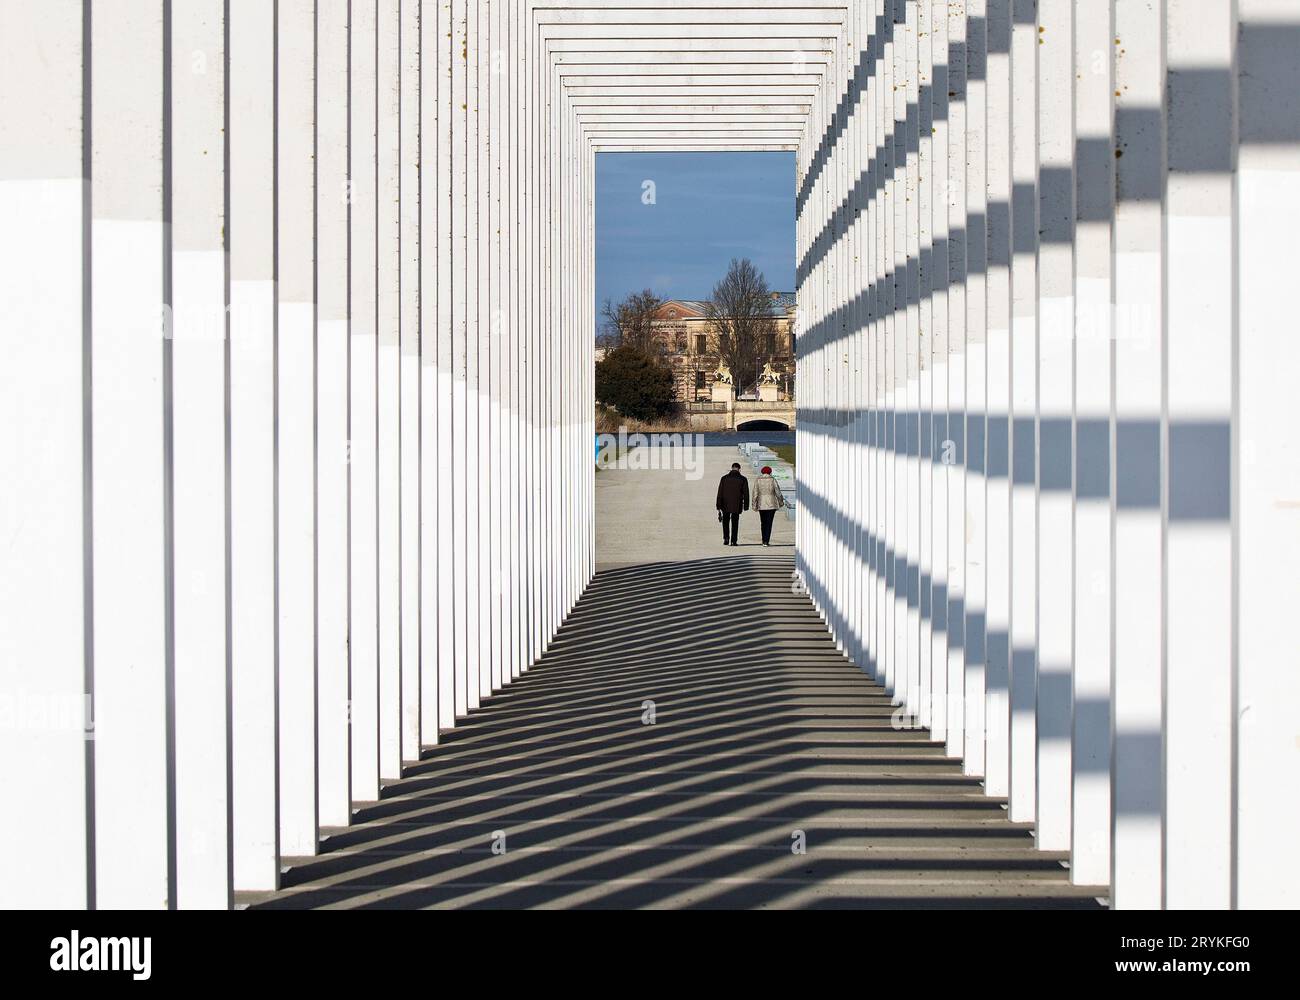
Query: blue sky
pixel 708 208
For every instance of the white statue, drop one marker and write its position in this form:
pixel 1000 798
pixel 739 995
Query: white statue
pixel 723 374
pixel 769 375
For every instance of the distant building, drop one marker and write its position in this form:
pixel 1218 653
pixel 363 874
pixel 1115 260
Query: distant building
pixel 681 334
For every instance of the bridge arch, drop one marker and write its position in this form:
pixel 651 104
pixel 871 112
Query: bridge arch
pixel 763 424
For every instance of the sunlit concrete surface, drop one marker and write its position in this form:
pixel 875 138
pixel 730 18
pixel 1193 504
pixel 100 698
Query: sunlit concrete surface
pixel 668 515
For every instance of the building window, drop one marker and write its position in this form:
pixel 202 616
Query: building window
pixel 769 343
pixel 701 343
pixel 699 379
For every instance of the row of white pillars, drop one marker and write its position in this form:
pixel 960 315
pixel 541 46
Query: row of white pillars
pixel 295 398
pixel 295 352
pixel 1047 493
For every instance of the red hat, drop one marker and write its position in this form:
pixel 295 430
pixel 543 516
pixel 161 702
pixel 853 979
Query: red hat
pixel 767 470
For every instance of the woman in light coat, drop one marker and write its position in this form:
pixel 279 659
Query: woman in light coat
pixel 767 500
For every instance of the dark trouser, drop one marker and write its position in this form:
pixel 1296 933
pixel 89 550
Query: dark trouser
pixel 730 522
pixel 766 517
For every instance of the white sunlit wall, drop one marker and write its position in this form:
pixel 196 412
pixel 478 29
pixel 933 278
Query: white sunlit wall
pixel 1047 355
pixel 296 394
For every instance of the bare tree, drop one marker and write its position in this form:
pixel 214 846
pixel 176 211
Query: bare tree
pixel 628 323
pixel 741 318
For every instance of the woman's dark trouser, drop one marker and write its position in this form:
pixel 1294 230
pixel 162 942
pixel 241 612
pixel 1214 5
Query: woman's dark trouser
pixel 766 517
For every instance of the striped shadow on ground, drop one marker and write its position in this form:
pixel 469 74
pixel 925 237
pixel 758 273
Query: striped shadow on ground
pixel 562 792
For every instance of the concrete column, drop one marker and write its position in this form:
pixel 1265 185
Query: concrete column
pixel 919 426
pixel 908 581
pixel 997 403
pixel 134 866
pixel 442 195
pixel 859 322
pixel 363 530
pixel 296 423
pixel 432 154
pixel 409 384
pixel 1055 236
pixel 333 204
pixel 895 111
pixel 1094 209
pixel 975 528
pixel 494 67
pixel 251 210
pixel 196 403
pixel 955 443
pixel 940 456
pixel 481 104
pixel 517 305
pixel 388 393
pixel 45 355
pixel 1023 466
pixel 882 128
pixel 1137 479
pixel 1200 287
pixel 475 234
pixel 459 474
pixel 1266 463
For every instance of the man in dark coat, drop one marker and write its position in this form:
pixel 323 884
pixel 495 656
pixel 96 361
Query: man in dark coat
pixel 733 497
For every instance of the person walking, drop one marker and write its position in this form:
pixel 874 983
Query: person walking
pixel 733 497
pixel 767 501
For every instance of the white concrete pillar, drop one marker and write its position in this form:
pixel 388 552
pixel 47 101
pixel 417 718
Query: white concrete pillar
pixel 1023 466
pixel 473 440
pixel 495 66
pixel 908 581
pixel 45 355
pixel 251 139
pixel 1200 278
pixel 997 403
pixel 459 474
pixel 1094 518
pixel 975 527
pixel 432 155
pixel 1137 476
pixel 894 112
pixel 134 809
pixel 333 453
pixel 1055 569
pixel 296 424
pixel 940 456
pixel 883 106
pixel 409 376
pixel 196 403
pixel 955 439
pixel 363 479
pixel 516 81
pixel 930 284
pixel 1266 463
pixel 485 188
pixel 388 393
pixel 442 359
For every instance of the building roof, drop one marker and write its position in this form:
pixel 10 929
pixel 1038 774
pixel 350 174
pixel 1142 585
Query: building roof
pixel 782 303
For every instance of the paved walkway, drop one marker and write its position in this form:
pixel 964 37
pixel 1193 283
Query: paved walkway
pixel 668 515
pixel 562 791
